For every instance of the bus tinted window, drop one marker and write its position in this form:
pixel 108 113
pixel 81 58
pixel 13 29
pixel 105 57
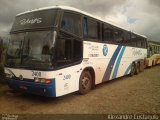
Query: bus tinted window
pixel 127 36
pixel 90 28
pixel 71 23
pixel 107 33
pixel 118 35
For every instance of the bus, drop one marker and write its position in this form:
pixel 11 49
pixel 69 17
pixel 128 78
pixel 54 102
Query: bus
pixel 58 50
pixel 153 57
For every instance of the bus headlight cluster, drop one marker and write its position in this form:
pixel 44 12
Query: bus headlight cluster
pixel 42 80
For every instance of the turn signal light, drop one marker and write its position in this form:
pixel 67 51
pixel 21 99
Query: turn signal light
pixel 47 81
pixel 42 80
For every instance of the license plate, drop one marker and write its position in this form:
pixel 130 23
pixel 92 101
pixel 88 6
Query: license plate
pixel 23 87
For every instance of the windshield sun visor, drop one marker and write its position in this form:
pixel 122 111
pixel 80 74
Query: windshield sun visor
pixel 33 20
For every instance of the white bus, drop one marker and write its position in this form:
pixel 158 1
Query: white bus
pixel 58 50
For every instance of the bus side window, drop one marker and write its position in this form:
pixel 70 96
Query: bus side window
pixel 63 52
pixel 71 23
pixel 77 50
pixel 85 28
pixel 133 40
pixel 91 29
pixel 107 33
pixel 127 39
pixel 60 52
pixel 68 47
pixel 68 51
pixel 118 35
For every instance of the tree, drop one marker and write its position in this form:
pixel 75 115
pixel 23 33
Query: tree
pixel 1 61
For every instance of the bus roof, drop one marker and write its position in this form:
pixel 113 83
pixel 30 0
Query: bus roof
pixel 154 43
pixel 75 10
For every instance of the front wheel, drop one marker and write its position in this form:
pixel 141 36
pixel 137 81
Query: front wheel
pixel 85 82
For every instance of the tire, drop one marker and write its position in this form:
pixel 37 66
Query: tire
pixel 85 82
pixel 137 68
pixel 153 63
pixel 133 69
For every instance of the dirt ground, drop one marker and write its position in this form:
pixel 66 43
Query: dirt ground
pixel 137 94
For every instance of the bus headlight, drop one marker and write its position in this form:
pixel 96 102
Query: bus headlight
pixel 42 80
pixel 36 79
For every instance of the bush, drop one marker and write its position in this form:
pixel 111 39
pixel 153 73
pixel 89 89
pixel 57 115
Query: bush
pixel 2 75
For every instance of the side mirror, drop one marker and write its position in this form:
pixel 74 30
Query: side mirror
pixel 54 38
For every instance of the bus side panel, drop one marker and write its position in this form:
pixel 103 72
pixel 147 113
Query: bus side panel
pixel 67 80
pixel 98 56
pixel 115 62
pixel 125 59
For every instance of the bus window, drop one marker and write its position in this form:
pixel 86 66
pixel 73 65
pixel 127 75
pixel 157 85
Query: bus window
pixel 142 44
pixel 71 23
pixel 156 49
pixel 139 44
pixel 91 29
pixel 85 28
pixel 107 33
pixel 133 40
pixel 63 52
pixel 68 51
pixel 118 35
pixel 127 38
pixel 77 50
pixel 60 52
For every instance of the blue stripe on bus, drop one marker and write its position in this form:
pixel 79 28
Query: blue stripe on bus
pixel 111 64
pixel 127 70
pixel 118 63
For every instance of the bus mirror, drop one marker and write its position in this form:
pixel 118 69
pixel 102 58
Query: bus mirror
pixel 54 38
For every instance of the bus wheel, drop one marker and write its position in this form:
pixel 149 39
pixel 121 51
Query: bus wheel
pixel 85 83
pixel 133 69
pixel 137 68
pixel 153 63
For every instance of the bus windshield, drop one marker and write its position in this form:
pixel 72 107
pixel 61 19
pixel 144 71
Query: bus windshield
pixel 31 50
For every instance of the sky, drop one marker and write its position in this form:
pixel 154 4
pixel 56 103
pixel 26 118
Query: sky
pixel 140 16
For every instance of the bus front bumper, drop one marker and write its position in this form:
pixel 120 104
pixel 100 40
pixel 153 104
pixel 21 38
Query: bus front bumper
pixel 41 89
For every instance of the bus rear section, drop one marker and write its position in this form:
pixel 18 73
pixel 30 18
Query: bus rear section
pixel 153 54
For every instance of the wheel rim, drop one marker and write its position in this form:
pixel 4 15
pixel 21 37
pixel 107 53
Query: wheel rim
pixel 85 82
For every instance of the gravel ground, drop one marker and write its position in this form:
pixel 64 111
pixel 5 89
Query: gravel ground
pixel 137 94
